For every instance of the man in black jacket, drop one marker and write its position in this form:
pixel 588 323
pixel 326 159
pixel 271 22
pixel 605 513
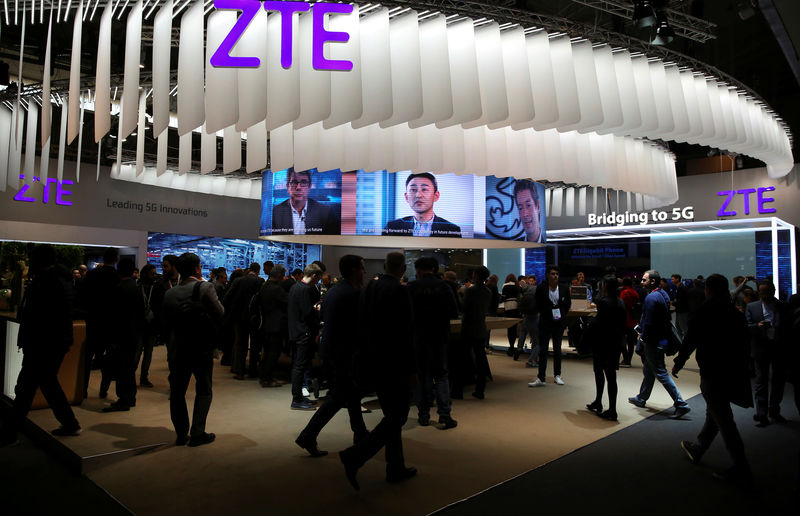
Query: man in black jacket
pixel 338 344
pixel 97 298
pixel 473 327
pixel 434 307
pixel 274 301
pixel 386 362
pixel 129 323
pixel 719 334
pixel 554 302
pixel 303 319
pixel 299 215
pixel 45 336
pixel 237 306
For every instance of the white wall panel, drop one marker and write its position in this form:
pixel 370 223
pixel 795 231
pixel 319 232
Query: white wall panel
pixel 191 108
pixel 437 94
pixel 162 47
pixel 405 63
pixel 376 72
pixel 221 95
pixel 130 88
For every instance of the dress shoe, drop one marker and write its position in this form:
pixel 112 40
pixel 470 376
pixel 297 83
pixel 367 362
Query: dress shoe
pixel 145 383
pixel 350 468
pixel 399 474
pixel 478 395
pixel 447 422
pixel 693 451
pixel 181 440
pixel 200 440
pixel 681 411
pixel 302 405
pixel 117 407
pixel 636 401
pixel 63 431
pixel 310 446
pixel 608 415
pixel 510 351
pixel 516 354
pixel 761 421
pixel 238 377
pixel 778 418
pixel 103 394
pixel 424 421
pixel 595 406
pixel 625 365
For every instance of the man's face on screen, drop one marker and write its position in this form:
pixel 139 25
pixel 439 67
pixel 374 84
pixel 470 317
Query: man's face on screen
pixel 298 186
pixel 420 196
pixel 528 214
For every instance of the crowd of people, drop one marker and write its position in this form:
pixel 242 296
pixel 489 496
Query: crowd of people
pixel 395 339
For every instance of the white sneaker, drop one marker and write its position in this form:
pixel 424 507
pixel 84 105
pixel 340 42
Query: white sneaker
pixel 306 393
pixel 558 380
pixel 537 383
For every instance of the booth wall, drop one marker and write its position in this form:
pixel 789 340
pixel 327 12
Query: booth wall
pixel 504 262
pixel 729 254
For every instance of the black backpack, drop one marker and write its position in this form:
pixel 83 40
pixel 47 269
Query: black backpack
pixel 194 327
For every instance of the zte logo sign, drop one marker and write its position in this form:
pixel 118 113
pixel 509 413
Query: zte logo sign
pixel 61 191
pixel 746 194
pixel 223 58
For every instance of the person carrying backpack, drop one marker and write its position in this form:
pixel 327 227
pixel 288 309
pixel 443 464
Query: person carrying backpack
pixel 193 317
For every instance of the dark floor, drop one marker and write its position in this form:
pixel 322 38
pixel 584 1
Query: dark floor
pixel 642 470
pixel 638 470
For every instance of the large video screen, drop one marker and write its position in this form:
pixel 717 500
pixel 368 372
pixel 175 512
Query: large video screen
pixel 231 253
pixel 401 204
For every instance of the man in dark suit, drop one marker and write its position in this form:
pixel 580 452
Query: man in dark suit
pixel 434 306
pixel 237 304
pixel 473 327
pixel 554 303
pixel 299 215
pixel 338 344
pixel 764 319
pixel 385 363
pixel 719 335
pixel 422 192
pixel 303 319
pixel 274 301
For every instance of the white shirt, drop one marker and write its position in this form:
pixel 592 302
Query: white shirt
pixel 423 228
pixel 553 295
pixel 299 219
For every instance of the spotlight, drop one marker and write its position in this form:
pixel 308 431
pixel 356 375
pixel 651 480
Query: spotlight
pixel 643 14
pixel 664 33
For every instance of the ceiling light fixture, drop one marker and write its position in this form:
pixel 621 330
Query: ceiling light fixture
pixel 643 14
pixel 664 33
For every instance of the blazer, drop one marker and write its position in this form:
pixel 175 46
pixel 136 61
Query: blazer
pixel 758 336
pixel 546 306
pixel 320 219
pixel 274 302
pixel 405 227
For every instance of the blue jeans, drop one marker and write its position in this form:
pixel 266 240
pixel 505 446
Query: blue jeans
pixel 428 387
pixel 653 367
pixel 530 326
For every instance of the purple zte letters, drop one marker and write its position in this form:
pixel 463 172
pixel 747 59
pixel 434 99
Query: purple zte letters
pixel 746 192
pixel 320 36
pixel 60 191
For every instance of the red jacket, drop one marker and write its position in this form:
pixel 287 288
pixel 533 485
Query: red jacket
pixel 630 297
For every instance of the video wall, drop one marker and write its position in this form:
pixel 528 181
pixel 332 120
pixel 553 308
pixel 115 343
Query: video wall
pixel 231 253
pixel 401 204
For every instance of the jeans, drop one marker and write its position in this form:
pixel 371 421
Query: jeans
pixel 300 364
pixel 655 368
pixel 430 386
pixel 546 334
pixel 682 322
pixel 530 326
pixel 144 353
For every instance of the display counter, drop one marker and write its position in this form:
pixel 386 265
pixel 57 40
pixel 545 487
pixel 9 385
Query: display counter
pixel 70 375
pixel 492 323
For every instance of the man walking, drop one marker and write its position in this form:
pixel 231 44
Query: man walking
pixel 338 344
pixel 655 325
pixel 719 334
pixel 387 363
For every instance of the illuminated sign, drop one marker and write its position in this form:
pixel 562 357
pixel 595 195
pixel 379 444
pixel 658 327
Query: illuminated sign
pixel 223 58
pixel 642 218
pixel 61 191
pixel 730 196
